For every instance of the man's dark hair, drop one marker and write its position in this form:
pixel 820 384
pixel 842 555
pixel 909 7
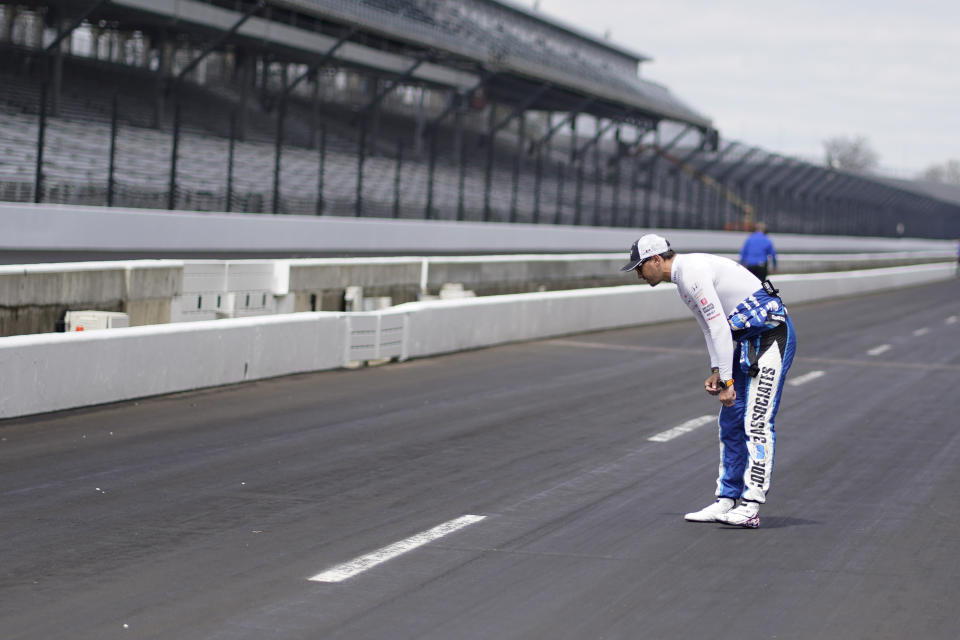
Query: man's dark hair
pixel 669 253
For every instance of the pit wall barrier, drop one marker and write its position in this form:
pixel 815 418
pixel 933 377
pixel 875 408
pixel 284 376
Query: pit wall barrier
pixel 50 372
pixel 35 296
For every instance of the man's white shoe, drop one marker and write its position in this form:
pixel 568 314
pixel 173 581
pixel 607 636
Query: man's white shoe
pixel 747 515
pixel 712 512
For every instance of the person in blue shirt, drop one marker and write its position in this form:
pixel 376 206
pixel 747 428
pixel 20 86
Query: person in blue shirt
pixel 758 251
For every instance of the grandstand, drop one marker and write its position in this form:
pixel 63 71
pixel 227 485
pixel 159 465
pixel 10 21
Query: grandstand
pixel 471 110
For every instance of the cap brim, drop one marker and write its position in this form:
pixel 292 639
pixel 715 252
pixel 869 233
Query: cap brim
pixel 630 266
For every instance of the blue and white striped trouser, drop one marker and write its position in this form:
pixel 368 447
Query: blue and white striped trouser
pixel 747 434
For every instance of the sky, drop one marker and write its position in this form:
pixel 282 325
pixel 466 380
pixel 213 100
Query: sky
pixel 785 76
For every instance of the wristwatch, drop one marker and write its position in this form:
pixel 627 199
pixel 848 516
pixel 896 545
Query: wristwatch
pixel 726 384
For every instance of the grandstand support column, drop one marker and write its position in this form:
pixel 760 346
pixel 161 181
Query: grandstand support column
pixel 578 193
pixel 615 211
pixel 315 110
pixel 375 116
pixel 462 182
pixel 361 160
pixel 111 169
pixel 174 148
pixel 634 185
pixel 537 183
pixel 41 134
pixel 431 172
pixel 230 156
pixel 321 167
pixel 278 143
pixel 573 137
pixel 692 181
pixel 396 179
pixel 490 140
pixel 578 177
pixel 547 140
pixel 420 125
pixel 517 158
pixel 561 174
pixel 457 124
pixel 597 180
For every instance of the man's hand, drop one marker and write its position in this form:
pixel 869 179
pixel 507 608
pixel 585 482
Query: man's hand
pixel 712 384
pixel 728 396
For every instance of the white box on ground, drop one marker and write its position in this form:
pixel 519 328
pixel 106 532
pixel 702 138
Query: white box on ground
pixel 89 320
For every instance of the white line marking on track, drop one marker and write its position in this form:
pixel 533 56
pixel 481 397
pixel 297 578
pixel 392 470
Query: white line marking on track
pixel 349 569
pixel 878 350
pixel 921 332
pixel 680 429
pixel 951 319
pixel 805 378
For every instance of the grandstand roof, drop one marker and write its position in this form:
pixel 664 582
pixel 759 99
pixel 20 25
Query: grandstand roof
pixel 937 190
pixel 520 52
pixel 560 24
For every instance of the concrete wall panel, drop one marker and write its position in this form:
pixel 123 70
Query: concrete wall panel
pixel 57 371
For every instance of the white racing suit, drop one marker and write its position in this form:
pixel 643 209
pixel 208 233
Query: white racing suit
pixel 751 339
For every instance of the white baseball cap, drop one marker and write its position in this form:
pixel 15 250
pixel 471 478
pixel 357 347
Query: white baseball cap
pixel 646 247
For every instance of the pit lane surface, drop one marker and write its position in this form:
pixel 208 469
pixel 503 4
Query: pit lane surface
pixel 204 515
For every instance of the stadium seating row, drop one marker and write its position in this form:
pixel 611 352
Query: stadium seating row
pixel 76 164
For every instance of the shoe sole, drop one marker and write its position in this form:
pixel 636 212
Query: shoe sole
pixel 752 523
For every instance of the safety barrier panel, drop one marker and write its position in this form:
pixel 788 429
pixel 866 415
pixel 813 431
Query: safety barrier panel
pixel 49 372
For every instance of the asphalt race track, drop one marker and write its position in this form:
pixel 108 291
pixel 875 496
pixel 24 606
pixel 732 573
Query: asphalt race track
pixel 204 515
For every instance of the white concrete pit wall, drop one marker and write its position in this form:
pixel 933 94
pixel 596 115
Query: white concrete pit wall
pixel 49 372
